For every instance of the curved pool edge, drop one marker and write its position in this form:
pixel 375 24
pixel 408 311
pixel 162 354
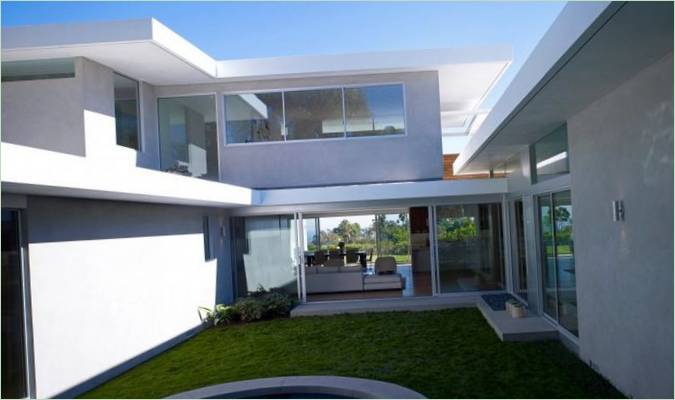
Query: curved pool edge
pixel 320 384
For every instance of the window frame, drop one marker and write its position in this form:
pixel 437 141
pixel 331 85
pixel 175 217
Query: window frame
pixel 534 176
pixel 139 115
pixel 341 87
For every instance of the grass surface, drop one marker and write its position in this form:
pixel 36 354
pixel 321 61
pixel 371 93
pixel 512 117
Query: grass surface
pixel 442 354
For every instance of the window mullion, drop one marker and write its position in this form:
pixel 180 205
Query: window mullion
pixel 344 114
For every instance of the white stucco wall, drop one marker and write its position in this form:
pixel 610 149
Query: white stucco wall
pixel 111 280
pixel 621 148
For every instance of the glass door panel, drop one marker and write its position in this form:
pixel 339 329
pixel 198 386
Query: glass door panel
pixel 547 256
pixel 14 382
pixel 566 274
pixel 520 259
pixel 558 266
pixel 469 247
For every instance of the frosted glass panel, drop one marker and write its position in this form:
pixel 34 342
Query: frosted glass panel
pixel 264 253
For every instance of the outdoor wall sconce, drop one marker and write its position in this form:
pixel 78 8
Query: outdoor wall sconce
pixel 617 210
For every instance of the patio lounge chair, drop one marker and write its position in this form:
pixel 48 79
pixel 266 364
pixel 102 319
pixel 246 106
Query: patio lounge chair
pixel 385 265
pixel 386 277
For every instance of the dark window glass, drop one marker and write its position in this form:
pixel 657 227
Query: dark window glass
pixel 126 111
pixel 207 238
pixel 38 69
pixel 520 264
pixel 13 339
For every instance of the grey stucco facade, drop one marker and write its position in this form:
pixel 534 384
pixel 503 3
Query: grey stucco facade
pixel 417 155
pixel 620 148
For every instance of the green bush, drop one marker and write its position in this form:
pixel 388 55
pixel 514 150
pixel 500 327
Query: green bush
pixel 260 304
pixel 220 315
pixel 226 314
pixel 249 308
pixel 276 305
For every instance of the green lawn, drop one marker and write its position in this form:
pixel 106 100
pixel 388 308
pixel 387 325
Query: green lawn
pixel 447 354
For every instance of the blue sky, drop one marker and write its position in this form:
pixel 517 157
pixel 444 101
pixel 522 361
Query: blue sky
pixel 247 29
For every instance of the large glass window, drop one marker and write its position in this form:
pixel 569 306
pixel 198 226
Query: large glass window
pixel 14 382
pixel 126 111
pixel 314 114
pixel 469 241
pixel 559 272
pixel 254 117
pixel 29 70
pixel 549 155
pixel 188 136
pixel 374 110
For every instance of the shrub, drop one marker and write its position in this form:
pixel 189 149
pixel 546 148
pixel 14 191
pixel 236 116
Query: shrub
pixel 225 314
pixel 221 314
pixel 276 305
pixel 249 309
pixel 257 305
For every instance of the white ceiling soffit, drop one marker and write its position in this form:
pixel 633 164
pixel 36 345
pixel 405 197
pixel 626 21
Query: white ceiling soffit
pixel 147 50
pixel 590 49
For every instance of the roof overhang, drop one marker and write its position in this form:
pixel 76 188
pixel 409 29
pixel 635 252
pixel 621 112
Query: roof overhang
pixel 374 196
pixel 149 51
pixel 591 48
pixel 27 170
pixel 32 171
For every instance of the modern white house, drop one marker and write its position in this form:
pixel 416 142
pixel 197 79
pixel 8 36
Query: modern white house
pixel 142 179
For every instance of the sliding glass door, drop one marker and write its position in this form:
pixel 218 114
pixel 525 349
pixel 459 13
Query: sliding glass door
pixel 469 247
pixel 557 259
pixel 519 259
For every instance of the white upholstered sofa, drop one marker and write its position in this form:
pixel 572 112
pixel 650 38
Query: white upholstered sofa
pixel 322 279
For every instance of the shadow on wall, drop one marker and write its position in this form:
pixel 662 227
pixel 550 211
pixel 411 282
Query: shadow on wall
pixel 62 220
pixel 52 219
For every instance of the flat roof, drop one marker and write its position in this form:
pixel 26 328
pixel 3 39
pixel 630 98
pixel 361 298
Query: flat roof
pixel 590 49
pixel 147 50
